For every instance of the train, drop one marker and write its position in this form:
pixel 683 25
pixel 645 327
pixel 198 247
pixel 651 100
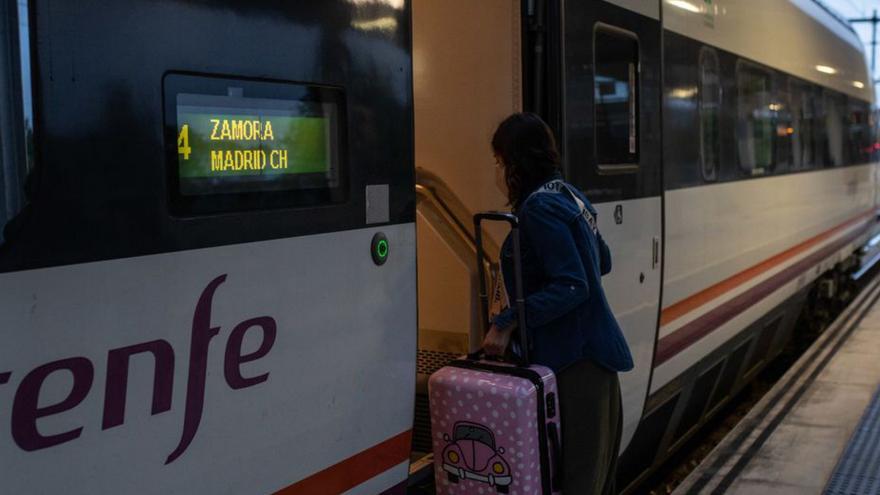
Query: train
pixel 236 236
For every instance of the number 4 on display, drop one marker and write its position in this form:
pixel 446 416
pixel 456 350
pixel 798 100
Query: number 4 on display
pixel 183 142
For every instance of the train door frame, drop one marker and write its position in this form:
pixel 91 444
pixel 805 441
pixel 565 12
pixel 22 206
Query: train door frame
pixel 623 197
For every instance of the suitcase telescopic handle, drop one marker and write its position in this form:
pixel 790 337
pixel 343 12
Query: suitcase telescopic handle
pixel 519 300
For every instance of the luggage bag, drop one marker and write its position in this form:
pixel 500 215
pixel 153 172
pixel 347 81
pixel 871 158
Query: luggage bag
pixel 495 425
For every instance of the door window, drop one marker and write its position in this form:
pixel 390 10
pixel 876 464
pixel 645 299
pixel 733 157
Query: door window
pixel 616 99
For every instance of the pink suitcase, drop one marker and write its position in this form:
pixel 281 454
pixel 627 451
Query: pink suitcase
pixel 495 426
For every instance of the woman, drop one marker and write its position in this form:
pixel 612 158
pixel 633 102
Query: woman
pixel 570 325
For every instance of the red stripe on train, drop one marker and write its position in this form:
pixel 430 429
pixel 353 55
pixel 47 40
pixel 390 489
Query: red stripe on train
pixel 685 306
pixel 687 335
pixel 357 469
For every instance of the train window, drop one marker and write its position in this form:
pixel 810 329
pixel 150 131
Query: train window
pixel 859 132
pixel 803 123
pixel 710 113
pixel 820 128
pixel 616 57
pixel 755 128
pixel 835 128
pixel 239 144
pixel 783 116
pixel 16 118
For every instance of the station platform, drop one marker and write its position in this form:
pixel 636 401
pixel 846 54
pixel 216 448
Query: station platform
pixel 818 429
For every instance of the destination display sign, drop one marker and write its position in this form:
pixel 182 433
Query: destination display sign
pixel 230 144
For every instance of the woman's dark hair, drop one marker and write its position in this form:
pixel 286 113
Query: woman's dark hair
pixel 528 153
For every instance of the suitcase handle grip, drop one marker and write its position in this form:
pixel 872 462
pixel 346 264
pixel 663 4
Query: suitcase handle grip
pixel 481 354
pixel 556 457
pixel 499 216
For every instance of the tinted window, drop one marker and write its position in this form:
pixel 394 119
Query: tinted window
pixel 15 123
pixel 835 127
pixel 782 116
pixel 755 127
pixel 615 92
pixel 803 124
pixel 710 113
pixel 859 132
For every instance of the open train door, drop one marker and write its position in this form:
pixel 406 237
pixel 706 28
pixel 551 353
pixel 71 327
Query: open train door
pixel 608 119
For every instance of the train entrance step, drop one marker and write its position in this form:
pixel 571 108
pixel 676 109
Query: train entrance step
pixel 818 429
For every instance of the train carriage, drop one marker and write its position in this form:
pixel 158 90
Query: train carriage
pixel 209 249
pixel 236 236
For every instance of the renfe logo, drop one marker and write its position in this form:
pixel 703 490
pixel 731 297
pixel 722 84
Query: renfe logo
pixel 26 410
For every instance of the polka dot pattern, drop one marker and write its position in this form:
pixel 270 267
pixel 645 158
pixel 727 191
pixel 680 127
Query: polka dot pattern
pixel 506 407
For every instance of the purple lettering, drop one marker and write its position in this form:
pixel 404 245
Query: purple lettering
pixel 234 358
pixel 117 380
pixel 202 333
pixel 26 409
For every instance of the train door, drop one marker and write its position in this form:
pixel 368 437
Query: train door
pixel 611 144
pixel 207 270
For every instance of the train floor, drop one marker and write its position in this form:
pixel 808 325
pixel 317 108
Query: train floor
pixel 818 429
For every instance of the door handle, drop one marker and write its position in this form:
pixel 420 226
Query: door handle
pixel 655 253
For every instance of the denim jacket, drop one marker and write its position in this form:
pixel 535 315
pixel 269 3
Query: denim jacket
pixel 563 260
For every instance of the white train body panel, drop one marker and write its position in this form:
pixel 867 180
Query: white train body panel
pixel 634 303
pixel 716 231
pixel 801 34
pixel 736 236
pixel 342 353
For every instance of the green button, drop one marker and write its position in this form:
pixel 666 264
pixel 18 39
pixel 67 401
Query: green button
pixel 379 248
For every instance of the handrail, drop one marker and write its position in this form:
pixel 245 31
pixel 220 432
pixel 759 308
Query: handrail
pixel 453 212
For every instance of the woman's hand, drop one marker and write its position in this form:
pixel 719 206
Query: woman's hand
pixel 496 340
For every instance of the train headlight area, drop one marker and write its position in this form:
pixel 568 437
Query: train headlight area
pixel 240 232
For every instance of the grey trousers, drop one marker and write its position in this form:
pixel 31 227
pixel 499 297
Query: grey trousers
pixel 590 408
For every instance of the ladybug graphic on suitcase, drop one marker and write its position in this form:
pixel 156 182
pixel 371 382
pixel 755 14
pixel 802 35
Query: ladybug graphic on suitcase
pixel 495 424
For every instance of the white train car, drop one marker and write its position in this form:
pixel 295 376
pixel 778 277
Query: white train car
pixel 729 147
pixel 207 259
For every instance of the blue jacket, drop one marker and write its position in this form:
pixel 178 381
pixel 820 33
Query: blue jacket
pixel 564 258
